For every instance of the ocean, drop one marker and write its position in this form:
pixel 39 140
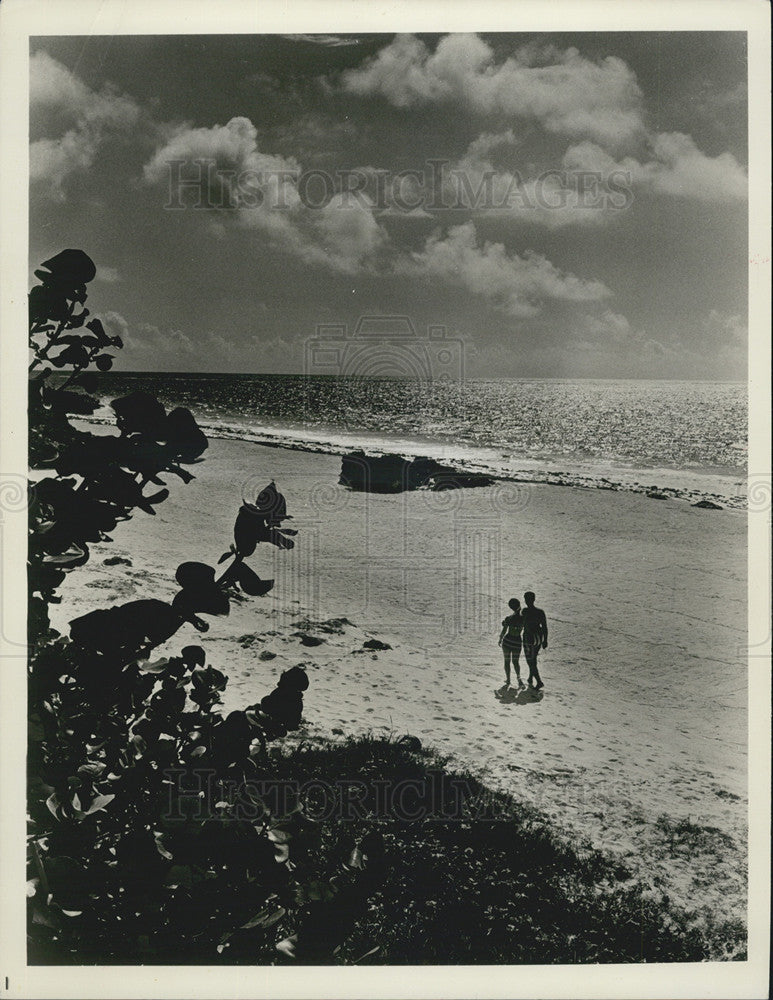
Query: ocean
pixel 677 438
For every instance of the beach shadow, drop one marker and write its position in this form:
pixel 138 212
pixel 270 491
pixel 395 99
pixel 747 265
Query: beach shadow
pixel 512 696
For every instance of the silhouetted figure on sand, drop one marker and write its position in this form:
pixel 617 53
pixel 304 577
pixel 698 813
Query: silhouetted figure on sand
pixel 534 636
pixel 510 640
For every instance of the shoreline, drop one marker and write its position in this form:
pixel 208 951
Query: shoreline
pixel 728 488
pixel 633 746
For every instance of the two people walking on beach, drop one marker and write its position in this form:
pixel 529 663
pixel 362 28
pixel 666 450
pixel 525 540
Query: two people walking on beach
pixel 525 629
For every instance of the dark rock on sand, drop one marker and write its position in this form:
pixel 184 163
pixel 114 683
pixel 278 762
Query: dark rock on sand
pixel 460 480
pixel 655 495
pixel 333 626
pixel 708 505
pixel 395 474
pixel 375 644
pixel 116 561
pixel 267 655
pixel 375 473
pixel 309 640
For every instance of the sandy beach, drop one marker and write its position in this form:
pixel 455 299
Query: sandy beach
pixel 638 744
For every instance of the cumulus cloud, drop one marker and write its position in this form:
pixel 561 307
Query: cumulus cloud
pixel 340 232
pixel 724 342
pixel 116 325
pixel 605 343
pixel 348 231
pixel 564 91
pixel 149 348
pixel 676 168
pixel 607 326
pixel 83 120
pixel 553 198
pixel 222 167
pixel 479 183
pixel 518 285
pixel 727 328
pixel 224 160
pixel 109 275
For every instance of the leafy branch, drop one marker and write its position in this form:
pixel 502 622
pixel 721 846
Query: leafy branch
pixel 126 862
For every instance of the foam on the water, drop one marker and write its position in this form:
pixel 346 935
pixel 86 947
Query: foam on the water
pixel 685 439
pixel 727 488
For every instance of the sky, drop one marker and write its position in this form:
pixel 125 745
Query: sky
pixel 555 205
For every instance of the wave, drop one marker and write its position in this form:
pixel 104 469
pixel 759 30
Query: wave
pixel 724 487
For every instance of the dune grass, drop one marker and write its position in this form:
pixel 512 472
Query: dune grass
pixel 478 877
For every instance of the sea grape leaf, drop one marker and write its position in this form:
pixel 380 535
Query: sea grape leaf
pixel 98 803
pixel 203 598
pixel 251 583
pixel 277 537
pixel 193 655
pixel 70 402
pixel 75 555
pixel 68 882
pixel 185 439
pixel 271 505
pixel 194 574
pixel 92 770
pixel 78 338
pixel 247 529
pixel 265 918
pixel 140 412
pixel 126 627
pixel 96 327
pixel 47 302
pixel 74 354
pixel 288 945
pixel 69 267
pixel 122 488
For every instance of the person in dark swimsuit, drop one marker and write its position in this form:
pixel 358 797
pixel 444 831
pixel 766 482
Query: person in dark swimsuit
pixel 534 636
pixel 510 641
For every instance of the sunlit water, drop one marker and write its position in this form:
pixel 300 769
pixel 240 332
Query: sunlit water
pixel 687 439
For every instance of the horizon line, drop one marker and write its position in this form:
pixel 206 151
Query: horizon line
pixel 409 378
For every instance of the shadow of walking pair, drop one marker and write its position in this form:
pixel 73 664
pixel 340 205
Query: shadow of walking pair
pixel 512 696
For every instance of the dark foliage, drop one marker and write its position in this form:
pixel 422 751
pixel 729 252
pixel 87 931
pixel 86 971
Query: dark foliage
pixel 480 878
pixel 127 862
